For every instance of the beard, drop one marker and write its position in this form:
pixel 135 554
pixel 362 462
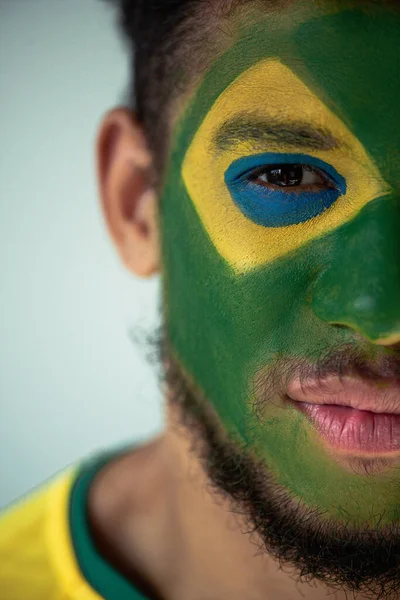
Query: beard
pixel 359 561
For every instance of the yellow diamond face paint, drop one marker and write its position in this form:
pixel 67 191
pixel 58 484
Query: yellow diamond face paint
pixel 270 90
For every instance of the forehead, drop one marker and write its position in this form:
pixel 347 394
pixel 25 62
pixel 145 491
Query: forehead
pixel 349 56
pixel 308 69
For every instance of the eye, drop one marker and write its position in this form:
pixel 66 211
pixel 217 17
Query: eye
pixel 291 176
pixel 278 193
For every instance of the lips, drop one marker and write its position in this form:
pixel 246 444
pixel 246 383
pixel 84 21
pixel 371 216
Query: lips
pixel 350 414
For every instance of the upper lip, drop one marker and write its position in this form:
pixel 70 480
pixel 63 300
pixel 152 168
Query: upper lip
pixel 377 397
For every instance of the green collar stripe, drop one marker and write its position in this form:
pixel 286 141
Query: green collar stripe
pixel 102 577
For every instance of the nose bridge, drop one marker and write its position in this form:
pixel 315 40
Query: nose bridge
pixel 360 285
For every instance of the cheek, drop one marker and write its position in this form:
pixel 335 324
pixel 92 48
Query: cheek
pixel 224 326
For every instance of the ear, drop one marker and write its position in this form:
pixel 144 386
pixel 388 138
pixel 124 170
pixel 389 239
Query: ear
pixel 129 202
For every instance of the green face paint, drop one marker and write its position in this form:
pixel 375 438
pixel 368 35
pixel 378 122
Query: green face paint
pixel 245 290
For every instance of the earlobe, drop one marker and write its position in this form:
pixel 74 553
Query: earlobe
pixel 128 199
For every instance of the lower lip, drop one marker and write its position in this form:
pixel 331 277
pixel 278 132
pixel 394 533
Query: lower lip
pixel 349 429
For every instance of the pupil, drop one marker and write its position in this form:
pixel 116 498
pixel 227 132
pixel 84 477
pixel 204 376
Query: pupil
pixel 286 175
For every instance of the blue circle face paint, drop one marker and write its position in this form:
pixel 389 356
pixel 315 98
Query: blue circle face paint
pixel 274 207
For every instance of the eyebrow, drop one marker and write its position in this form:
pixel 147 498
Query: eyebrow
pixel 244 128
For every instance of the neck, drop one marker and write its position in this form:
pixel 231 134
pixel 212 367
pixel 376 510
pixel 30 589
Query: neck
pixel 177 533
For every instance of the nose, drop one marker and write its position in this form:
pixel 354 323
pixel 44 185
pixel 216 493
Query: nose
pixel 360 287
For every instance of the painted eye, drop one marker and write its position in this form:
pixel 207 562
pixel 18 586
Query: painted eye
pixel 290 176
pixel 278 190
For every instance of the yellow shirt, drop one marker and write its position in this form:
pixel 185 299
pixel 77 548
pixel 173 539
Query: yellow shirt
pixel 46 551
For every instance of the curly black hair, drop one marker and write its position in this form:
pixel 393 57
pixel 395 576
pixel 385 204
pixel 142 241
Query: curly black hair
pixel 169 43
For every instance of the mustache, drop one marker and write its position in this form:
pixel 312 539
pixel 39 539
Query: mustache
pixel 376 365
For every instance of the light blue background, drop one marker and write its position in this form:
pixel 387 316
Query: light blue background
pixel 71 380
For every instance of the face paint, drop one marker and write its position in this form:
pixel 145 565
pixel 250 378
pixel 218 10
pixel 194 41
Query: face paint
pixel 256 275
pixel 240 241
pixel 272 207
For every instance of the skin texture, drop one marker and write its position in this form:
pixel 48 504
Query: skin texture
pixel 243 300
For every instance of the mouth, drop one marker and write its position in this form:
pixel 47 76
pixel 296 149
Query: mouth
pixel 351 415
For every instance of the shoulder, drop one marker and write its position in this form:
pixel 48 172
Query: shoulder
pixel 26 563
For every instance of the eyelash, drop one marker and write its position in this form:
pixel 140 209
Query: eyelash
pixel 324 183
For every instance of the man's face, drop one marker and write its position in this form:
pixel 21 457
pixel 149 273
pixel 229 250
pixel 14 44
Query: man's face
pixel 280 226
